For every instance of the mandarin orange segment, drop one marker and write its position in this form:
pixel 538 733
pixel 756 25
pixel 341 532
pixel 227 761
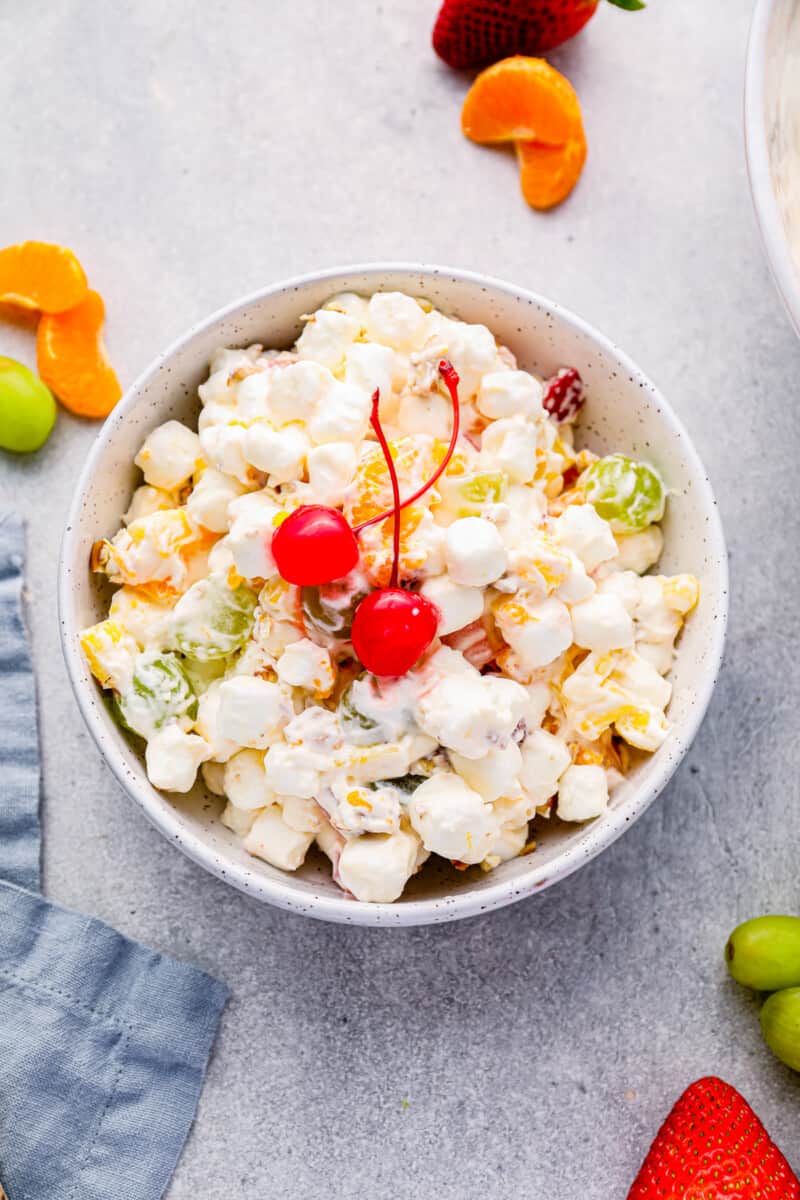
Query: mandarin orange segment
pixel 521 99
pixel 549 173
pixel 72 359
pixel 371 490
pixel 40 275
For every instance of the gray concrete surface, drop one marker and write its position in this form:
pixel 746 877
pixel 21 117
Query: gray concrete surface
pixel 193 152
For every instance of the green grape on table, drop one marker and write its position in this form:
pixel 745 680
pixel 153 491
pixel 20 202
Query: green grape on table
pixel 159 693
pixel 780 1025
pixel 27 408
pixel 627 494
pixel 764 953
pixel 212 620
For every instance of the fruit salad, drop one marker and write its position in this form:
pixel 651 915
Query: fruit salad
pixel 383 604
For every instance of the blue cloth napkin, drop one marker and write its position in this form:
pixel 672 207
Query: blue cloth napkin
pixel 103 1042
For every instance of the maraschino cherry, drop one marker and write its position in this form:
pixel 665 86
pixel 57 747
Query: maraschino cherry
pixel 315 544
pixel 392 628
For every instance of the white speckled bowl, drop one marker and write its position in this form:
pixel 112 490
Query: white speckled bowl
pixel 772 134
pixel 625 412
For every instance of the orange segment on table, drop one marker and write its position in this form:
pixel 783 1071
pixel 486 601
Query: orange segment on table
pixel 521 98
pixel 548 174
pixel 72 359
pixel 40 275
pixel 528 102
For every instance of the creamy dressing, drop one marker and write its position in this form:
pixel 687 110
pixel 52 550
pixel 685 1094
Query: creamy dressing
pixel 556 644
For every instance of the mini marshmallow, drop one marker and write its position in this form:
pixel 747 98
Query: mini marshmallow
pixel 281 453
pixel 223 447
pixel 582 793
pixel 331 470
pixel 508 842
pixel 602 623
pixel 376 867
pixel 509 394
pixel 294 771
pixel 471 714
pixel 250 537
pixel 544 760
pixel 344 417
pixel 492 776
pixel 327 336
pixel 214 777
pixel 368 367
pixel 251 396
pixel 431 414
pixel 296 392
pixel 169 456
pixel 538 633
pixel 147 500
pixel 452 819
pixel 304 815
pixel 351 303
pixel 172 758
pixel 220 558
pixel 472 351
pixel 253 711
pixel 306 665
pixel 581 529
pixel 474 552
pixel 361 809
pixel 210 497
pixel 639 551
pixel 239 820
pixel 396 320
pixel 207 724
pixel 245 780
pixel 272 839
pixel 458 605
pixel 512 443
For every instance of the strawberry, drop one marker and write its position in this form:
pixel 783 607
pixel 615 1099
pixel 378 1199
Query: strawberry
pixel 712 1146
pixel 474 33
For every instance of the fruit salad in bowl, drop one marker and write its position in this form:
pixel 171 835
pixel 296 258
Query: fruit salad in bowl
pixel 384 600
pixel 392 594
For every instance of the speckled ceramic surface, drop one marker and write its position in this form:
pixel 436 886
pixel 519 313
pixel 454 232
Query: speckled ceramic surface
pixel 772 127
pixel 625 412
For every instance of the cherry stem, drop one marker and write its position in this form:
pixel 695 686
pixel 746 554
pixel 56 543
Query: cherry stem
pixel 375 422
pixel 450 377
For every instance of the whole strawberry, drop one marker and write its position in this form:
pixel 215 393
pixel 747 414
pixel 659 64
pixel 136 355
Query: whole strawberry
pixel 474 33
pixel 712 1146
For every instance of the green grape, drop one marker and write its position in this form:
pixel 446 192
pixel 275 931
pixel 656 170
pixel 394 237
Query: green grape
pixel 357 727
pixel 466 495
pixel 780 1025
pixel 627 494
pixel 212 620
pixel 159 693
pixel 202 674
pixel 764 953
pixel 27 408
pixel 330 608
pixel 408 784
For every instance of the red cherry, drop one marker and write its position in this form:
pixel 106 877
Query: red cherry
pixel 392 629
pixel 314 545
pixel 563 394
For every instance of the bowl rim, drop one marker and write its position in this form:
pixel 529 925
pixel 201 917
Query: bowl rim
pixel 768 215
pixel 342 909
